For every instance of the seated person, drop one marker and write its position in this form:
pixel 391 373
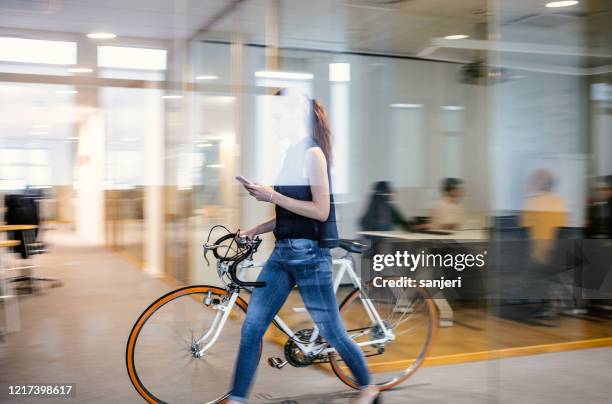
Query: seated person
pixel 448 212
pixel 381 214
pixel 599 218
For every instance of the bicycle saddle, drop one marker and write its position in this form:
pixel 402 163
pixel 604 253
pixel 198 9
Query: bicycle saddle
pixel 353 246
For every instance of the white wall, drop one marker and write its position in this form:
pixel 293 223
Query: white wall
pixel 535 114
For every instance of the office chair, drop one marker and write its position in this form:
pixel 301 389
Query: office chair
pixel 513 282
pixel 505 222
pixel 24 210
pixel 567 268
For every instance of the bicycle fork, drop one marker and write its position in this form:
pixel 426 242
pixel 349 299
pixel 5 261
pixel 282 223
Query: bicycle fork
pixel 223 312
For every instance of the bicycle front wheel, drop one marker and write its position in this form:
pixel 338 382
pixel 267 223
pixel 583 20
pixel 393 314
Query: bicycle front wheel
pixel 168 357
pixel 411 318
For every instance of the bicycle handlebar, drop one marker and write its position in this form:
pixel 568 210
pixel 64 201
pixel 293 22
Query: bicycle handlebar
pixel 249 247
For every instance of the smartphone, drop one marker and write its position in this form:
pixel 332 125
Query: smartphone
pixel 243 180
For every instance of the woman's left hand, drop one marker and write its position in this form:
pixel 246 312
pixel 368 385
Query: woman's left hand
pixel 262 193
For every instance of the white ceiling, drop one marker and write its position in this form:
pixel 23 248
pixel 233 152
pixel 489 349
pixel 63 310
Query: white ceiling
pixel 356 25
pixel 161 19
pixel 378 26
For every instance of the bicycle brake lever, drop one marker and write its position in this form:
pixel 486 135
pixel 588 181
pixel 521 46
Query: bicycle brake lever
pixel 206 249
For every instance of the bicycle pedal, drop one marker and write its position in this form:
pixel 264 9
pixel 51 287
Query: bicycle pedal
pixel 277 363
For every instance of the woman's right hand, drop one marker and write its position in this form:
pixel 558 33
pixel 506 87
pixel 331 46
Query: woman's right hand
pixel 250 233
pixel 261 228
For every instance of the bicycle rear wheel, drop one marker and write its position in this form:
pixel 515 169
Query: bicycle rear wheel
pixel 412 317
pixel 161 354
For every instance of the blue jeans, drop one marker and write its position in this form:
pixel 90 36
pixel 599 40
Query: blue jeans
pixel 301 262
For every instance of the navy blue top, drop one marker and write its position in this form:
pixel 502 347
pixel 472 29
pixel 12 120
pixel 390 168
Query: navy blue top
pixel 292 225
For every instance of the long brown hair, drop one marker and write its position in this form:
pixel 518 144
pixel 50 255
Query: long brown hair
pixel 320 130
pixel 321 134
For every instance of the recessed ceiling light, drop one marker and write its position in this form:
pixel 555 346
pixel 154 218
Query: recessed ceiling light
pixel 452 107
pixel 101 35
pixel 203 145
pixel 284 75
pixel 66 92
pixel 207 77
pixel 399 105
pixel 457 36
pixel 557 4
pixel 215 166
pixel 80 70
pixel 171 97
pixel 72 138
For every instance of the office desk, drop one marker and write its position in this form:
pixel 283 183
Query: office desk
pixel 446 311
pixel 17 227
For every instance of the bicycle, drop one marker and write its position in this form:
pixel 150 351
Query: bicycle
pixel 179 335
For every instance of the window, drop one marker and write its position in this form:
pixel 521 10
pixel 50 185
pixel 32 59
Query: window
pixel 37 51
pixel 24 167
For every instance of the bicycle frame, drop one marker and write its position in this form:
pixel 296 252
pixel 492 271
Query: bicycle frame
pixel 345 267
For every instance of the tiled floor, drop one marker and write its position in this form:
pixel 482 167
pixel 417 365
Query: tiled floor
pixel 77 334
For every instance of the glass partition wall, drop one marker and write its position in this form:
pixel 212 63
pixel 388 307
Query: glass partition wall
pixel 482 91
pixel 138 138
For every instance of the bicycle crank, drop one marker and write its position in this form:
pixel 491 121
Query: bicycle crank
pixel 277 363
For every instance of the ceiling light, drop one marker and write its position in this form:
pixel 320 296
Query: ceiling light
pixel 339 72
pixel 171 97
pixel 101 35
pixel 284 75
pixel 39 132
pixel 458 36
pixel 398 105
pixel 219 99
pixel 80 70
pixel 207 77
pixel 452 107
pixel 72 138
pixel 66 92
pixel 215 166
pixel 557 4
pixel 202 145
